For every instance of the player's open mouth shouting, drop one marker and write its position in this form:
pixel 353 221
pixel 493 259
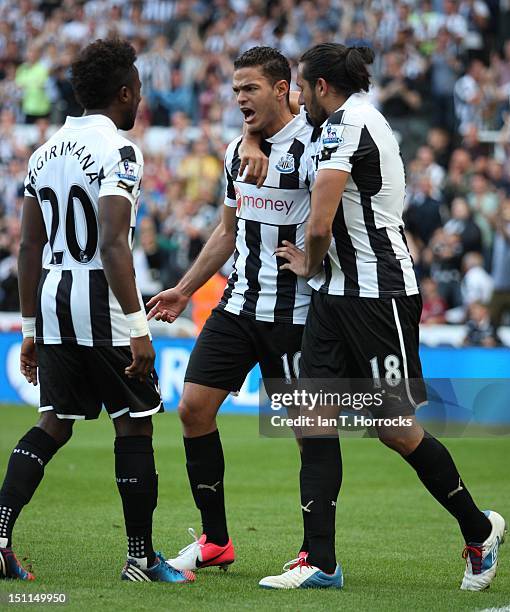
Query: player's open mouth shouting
pixel 249 114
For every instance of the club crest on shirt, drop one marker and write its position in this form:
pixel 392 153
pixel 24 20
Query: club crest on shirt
pixel 128 170
pixel 332 138
pixel 286 163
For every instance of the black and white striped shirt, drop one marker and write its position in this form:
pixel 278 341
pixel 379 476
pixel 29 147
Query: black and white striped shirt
pixel 265 216
pixel 368 256
pixel 83 161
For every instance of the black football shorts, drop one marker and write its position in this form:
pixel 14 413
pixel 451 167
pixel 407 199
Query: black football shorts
pixel 366 338
pixel 76 381
pixel 230 345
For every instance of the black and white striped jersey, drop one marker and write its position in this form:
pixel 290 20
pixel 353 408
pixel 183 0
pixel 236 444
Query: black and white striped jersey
pixel 84 160
pixel 368 256
pixel 265 216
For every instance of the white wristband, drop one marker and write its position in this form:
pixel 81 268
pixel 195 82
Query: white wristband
pixel 28 327
pixel 138 325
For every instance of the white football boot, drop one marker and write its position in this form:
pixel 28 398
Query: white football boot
pixel 298 574
pixel 201 553
pixel 482 559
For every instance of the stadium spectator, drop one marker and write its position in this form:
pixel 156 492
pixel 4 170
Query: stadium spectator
pixel 445 66
pixel 199 169
pixel 480 330
pixel 151 259
pixel 64 101
pixel 457 181
pixel 462 224
pixel 188 225
pixel 400 99
pixel 439 140
pixel 500 304
pixel 428 167
pixel 10 92
pixel 10 145
pixel 477 284
pixel 471 143
pixel 476 13
pixel 9 299
pixel 425 21
pixel 483 202
pixel 453 21
pixel 434 306
pixel 503 65
pixel 496 175
pixel 468 96
pixel 442 258
pixel 32 78
pixel 9 247
pixel 423 216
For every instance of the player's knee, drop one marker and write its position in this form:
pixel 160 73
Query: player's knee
pixel 194 417
pixel 60 430
pixel 188 413
pixel 402 444
pixel 130 426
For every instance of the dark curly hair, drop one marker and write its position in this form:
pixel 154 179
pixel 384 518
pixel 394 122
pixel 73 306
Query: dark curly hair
pixel 100 70
pixel 275 66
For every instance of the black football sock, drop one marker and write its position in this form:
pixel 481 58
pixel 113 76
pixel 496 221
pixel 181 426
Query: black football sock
pixel 24 473
pixel 304 546
pixel 137 482
pixel 320 480
pixel 437 471
pixel 206 469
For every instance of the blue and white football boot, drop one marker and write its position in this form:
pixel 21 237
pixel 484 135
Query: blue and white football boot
pixel 298 574
pixel 11 568
pixel 482 559
pixel 161 571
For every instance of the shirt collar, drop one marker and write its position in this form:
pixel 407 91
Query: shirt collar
pixel 288 131
pixel 89 121
pixel 353 100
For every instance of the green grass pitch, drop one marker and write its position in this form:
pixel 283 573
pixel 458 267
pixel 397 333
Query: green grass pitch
pixel 399 549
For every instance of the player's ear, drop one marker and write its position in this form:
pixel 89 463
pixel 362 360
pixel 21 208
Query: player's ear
pixel 281 88
pixel 321 87
pixel 124 93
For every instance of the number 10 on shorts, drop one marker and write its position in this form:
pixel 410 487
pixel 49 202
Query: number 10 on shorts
pixel 295 366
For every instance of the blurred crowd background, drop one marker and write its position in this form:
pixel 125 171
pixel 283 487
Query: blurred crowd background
pixel 441 77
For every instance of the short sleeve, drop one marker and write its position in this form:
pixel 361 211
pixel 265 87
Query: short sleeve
pixel 311 158
pixel 339 141
pixel 122 173
pixel 230 190
pixel 29 183
pixel 29 188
